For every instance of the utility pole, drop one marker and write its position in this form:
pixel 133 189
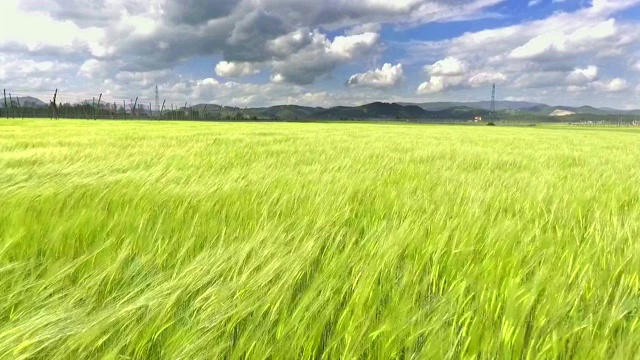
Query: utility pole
pixel 54 112
pixel 134 107
pixel 95 112
pixel 157 100
pixel 162 109
pixel 5 103
pixel 20 108
pixel 11 106
pixel 493 104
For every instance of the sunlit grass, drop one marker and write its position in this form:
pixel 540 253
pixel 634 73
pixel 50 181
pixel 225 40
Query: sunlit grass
pixel 270 240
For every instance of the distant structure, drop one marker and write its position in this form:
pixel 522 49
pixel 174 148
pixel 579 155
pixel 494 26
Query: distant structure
pixel 157 101
pixel 493 103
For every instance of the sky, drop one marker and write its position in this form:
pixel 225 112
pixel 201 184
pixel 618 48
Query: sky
pixel 323 53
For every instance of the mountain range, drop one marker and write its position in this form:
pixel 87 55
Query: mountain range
pixel 382 110
pixel 27 101
pixel 427 111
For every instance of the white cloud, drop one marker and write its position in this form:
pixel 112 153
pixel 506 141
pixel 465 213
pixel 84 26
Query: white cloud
pixel 553 42
pixel 385 77
pixel 123 48
pixel 346 47
pixel 210 90
pixel 236 69
pixel 449 66
pixel 160 34
pixel 321 56
pixel 438 84
pixel 55 34
pixel 614 85
pixel 93 69
pixel 581 76
pixel 147 79
pixel 559 42
pixel 364 28
pixel 443 74
pixel 277 78
pixel 546 55
pixel 575 88
pixel 434 85
pixel 23 73
pixel 487 78
pixel 322 98
pixel 533 3
pixel 606 7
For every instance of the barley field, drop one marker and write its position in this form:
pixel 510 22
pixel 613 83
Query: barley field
pixel 162 240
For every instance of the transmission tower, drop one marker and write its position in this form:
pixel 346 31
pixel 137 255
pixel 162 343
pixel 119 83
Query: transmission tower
pixel 157 101
pixel 493 103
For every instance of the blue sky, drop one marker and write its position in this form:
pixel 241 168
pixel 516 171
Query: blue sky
pixel 324 53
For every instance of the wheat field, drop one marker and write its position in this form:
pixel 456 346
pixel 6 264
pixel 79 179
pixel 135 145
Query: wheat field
pixel 166 240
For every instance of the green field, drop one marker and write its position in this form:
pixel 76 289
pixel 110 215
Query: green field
pixel 161 240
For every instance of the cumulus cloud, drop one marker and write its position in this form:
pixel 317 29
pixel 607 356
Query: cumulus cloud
pixel 540 54
pixel 321 56
pixel 29 67
pixel 443 74
pixel 434 85
pixel 582 76
pixel 449 66
pixel 211 90
pixel 236 69
pixel 613 85
pixel 364 28
pixel 153 35
pixel 553 42
pixel 486 78
pixel 560 42
pixel 93 69
pixel 608 86
pixel 386 77
pixel 120 46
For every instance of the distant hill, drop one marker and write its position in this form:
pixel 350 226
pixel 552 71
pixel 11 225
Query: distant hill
pixel 483 105
pixel 524 107
pixel 27 101
pixel 390 111
pixel 403 111
pixel 376 110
